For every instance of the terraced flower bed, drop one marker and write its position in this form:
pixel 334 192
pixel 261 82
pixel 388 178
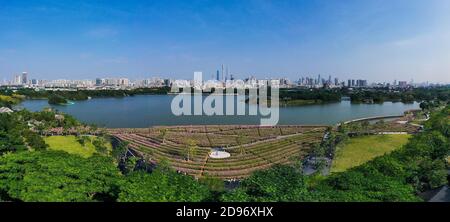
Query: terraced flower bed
pixel 252 148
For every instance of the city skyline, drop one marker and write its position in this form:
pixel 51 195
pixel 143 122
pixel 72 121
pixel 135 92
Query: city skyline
pixel 222 75
pixel 221 80
pixel 371 40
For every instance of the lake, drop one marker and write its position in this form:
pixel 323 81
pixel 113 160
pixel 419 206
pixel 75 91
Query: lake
pixel 155 110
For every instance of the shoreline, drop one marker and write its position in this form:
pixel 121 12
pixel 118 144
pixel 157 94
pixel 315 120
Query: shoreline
pixel 373 118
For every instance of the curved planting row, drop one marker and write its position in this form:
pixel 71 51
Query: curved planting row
pixel 281 149
pixel 162 151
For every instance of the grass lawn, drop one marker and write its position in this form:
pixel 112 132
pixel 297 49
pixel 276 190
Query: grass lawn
pixel 72 146
pixel 357 151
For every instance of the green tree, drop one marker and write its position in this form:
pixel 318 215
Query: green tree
pixel 100 146
pixel 57 176
pixel 240 142
pixel 163 134
pixel 279 183
pixel 119 150
pixel 214 184
pixel 56 99
pixel 162 185
pixel 191 149
pixel 130 164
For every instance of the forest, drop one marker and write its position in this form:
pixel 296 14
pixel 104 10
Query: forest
pixel 405 95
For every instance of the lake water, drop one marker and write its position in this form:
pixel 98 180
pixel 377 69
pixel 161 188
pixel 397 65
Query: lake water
pixel 155 110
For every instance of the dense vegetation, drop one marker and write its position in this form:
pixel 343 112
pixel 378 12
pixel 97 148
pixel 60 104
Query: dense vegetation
pixel 46 119
pixel 21 130
pixel 16 136
pixel 404 95
pixel 61 96
pixel 56 100
pixel 59 176
pixel 10 100
pixel 162 185
pixel 318 95
pixel 300 96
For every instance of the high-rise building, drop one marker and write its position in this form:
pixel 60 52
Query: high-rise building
pixel 123 82
pixel 217 75
pixel 402 83
pixel 167 82
pixel 222 73
pixel 24 78
pixel 98 81
pixel 226 73
pixel 361 83
pixel 198 80
pixel 17 80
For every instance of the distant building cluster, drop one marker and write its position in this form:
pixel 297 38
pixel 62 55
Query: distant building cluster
pixel 221 79
pixel 330 82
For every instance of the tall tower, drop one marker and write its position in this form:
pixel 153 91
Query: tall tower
pixel 217 75
pixel 226 73
pixel 24 77
pixel 17 79
pixel 222 73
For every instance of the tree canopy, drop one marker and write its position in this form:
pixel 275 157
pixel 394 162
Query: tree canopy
pixel 162 185
pixel 57 176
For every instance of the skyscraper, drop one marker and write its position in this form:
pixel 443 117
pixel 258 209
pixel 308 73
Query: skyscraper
pixel 226 75
pixel 222 73
pixel 98 81
pixel 217 75
pixel 24 77
pixel 17 79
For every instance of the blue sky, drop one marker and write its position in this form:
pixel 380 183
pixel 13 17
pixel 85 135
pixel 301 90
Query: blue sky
pixel 372 39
